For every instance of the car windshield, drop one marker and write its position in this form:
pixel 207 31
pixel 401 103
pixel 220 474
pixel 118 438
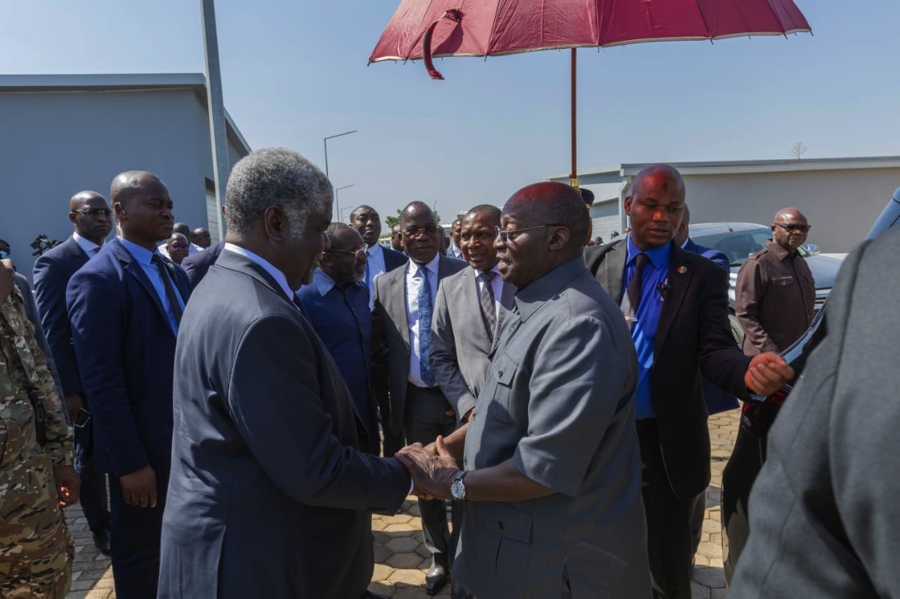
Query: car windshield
pixel 736 245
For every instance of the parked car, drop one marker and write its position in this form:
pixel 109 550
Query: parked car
pixel 757 417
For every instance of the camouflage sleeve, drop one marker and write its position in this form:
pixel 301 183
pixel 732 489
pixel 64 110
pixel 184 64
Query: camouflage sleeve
pixel 59 443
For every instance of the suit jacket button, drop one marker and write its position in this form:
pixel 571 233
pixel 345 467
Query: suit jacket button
pixel 500 525
pixel 501 373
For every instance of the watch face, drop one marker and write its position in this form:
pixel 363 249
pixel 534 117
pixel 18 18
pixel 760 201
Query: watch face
pixel 458 489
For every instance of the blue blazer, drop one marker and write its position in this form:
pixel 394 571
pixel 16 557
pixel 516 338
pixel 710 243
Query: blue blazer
pixel 196 266
pixel 52 272
pixel 715 255
pixel 125 349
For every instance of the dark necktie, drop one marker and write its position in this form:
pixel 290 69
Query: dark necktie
pixel 488 309
pixel 170 288
pixel 300 307
pixel 632 298
pixel 425 310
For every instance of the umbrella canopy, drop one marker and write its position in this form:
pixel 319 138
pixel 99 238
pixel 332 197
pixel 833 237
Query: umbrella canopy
pixel 496 27
pixel 427 28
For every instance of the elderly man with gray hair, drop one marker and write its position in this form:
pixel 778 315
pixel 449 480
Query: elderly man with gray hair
pixel 269 494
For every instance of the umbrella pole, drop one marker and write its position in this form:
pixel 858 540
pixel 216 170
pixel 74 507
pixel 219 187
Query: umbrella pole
pixel 573 176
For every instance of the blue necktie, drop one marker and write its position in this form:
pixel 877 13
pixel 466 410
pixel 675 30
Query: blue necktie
pixel 425 310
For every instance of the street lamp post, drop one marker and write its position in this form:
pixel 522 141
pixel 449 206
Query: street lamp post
pixel 338 202
pixel 325 143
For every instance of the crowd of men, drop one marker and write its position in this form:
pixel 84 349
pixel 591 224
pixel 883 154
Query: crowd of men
pixel 252 402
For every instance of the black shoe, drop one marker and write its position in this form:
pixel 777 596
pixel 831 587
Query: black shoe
pixel 435 580
pixel 101 541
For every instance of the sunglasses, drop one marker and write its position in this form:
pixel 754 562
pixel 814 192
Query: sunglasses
pixel 794 228
pixel 179 246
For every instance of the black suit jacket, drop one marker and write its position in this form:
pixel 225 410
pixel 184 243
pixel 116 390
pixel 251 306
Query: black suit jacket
pixel 693 336
pixel 393 259
pixel 52 272
pixel 391 329
pixel 269 495
pixel 196 266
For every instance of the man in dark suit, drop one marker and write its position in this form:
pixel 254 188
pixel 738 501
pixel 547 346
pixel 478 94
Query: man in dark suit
pixel 677 306
pixel 404 305
pixel 125 306
pixel 379 260
pixel 264 423
pixel 92 219
pixel 197 265
pixel 825 510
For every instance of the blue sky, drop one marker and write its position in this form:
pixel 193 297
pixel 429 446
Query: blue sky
pixel 295 72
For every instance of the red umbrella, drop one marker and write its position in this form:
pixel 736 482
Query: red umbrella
pixel 427 28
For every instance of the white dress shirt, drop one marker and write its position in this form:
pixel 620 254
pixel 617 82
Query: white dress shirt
pixel 266 266
pixel 496 286
pixel 89 247
pixel 412 311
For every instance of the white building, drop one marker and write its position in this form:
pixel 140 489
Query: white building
pixel 841 197
pixel 66 133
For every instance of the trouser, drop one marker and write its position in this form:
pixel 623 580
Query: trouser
pixel 698 513
pixel 381 387
pixel 737 481
pixel 668 521
pixel 93 496
pixel 135 535
pixel 426 418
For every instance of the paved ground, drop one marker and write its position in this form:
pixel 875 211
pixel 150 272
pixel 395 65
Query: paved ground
pixel 401 558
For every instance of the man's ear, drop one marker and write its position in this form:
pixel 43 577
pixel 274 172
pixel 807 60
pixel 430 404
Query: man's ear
pixel 559 238
pixel 628 206
pixel 276 223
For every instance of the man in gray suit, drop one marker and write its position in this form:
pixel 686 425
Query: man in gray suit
pixel 269 495
pixel 469 307
pixel 824 511
pixel 552 467
pixel 404 305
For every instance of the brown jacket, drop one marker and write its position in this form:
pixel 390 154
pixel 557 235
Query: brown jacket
pixel 774 299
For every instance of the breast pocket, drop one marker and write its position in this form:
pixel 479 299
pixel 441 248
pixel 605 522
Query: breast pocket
pixel 782 281
pixel 503 371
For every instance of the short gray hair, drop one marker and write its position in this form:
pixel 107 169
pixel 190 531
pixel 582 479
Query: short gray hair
pixel 274 177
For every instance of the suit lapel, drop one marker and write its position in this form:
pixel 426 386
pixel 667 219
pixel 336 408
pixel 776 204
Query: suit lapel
pixel 80 256
pixel 134 268
pixel 397 304
pixel 612 270
pixel 679 280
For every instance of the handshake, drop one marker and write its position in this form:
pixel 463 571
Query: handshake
pixel 431 467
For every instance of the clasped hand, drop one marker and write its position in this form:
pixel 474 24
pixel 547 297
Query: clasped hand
pixel 431 467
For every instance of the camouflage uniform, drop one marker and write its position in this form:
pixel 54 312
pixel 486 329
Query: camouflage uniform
pixel 36 550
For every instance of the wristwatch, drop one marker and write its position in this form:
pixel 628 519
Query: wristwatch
pixel 458 488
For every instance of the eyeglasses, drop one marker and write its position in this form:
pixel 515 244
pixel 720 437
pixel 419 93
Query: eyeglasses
pixel 95 212
pixel 4 254
pixel 794 228
pixel 428 230
pixel 359 253
pixel 179 246
pixel 506 235
pixel 481 236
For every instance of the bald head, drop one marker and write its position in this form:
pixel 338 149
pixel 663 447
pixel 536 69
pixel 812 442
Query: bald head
pixel 789 229
pixel 555 203
pixel 143 208
pixel 90 215
pixel 663 177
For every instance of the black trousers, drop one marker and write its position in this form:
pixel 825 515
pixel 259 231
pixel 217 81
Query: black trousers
pixel 93 497
pixel 669 542
pixel 382 389
pixel 426 418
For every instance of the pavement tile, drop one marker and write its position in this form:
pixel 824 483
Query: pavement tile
pixel 402 545
pixel 404 560
pixel 699 591
pixel 713 578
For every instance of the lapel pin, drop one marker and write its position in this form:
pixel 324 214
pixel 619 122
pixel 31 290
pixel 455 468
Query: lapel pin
pixel 682 270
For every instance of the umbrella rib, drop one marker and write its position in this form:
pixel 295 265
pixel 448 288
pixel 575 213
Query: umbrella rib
pixel 705 22
pixel 490 40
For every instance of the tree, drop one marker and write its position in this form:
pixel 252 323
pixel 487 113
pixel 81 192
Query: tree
pixel 798 150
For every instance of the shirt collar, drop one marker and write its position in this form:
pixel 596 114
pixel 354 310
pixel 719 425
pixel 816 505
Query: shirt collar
pixel 431 267
pixel 496 269
pixel 658 256
pixel 375 250
pixel 322 282
pixel 141 254
pixel 779 251
pixel 529 299
pixel 87 246
pixel 265 264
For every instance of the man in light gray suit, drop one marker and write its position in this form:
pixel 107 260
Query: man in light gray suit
pixel 469 307
pixel 269 495
pixel 552 467
pixel 824 510
pixel 404 305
